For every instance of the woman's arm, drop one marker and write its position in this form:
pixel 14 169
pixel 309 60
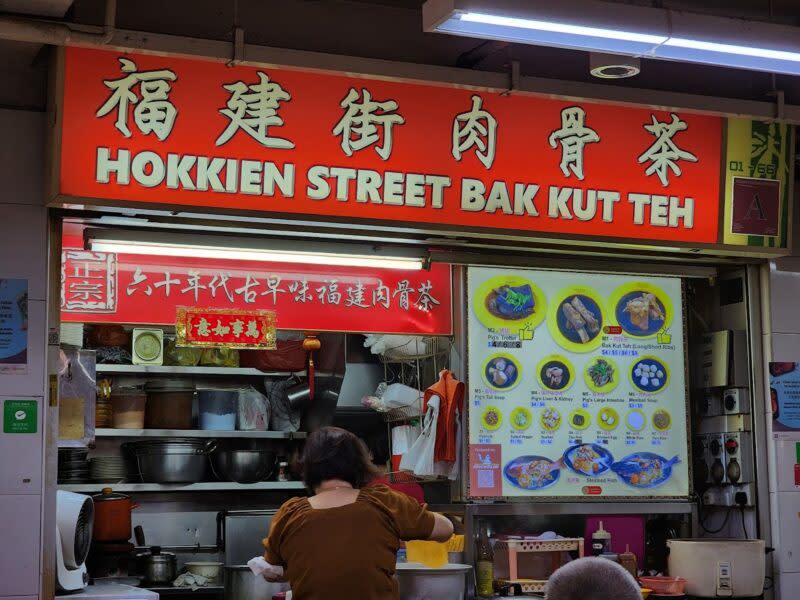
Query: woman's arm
pixel 442 529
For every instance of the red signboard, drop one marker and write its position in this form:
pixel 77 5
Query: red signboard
pixel 756 206
pixel 171 131
pixel 228 328
pixel 100 287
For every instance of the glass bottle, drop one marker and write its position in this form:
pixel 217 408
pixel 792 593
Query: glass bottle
pixel 484 565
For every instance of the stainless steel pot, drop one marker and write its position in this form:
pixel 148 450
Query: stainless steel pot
pixel 158 567
pixel 242 466
pixel 241 584
pixel 178 461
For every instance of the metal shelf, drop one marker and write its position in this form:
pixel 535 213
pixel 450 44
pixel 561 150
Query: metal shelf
pixel 208 486
pixel 612 507
pixel 200 371
pixel 198 433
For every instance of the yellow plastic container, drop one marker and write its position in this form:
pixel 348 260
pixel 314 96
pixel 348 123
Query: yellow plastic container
pixel 430 554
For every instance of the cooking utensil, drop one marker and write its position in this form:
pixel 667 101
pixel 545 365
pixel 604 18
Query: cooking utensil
pixel 209 570
pixel 299 395
pixel 242 466
pixel 158 567
pixel 241 584
pixel 719 567
pixel 418 583
pixel 127 408
pixel 217 409
pixel 175 461
pixel 169 404
pixel 112 516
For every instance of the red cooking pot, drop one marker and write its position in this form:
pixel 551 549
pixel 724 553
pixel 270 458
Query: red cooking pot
pixel 112 516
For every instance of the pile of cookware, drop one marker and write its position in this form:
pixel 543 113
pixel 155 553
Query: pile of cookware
pixel 73 466
pixel 187 460
pixel 171 461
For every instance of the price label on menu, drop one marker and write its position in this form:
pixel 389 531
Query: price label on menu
pixel 582 382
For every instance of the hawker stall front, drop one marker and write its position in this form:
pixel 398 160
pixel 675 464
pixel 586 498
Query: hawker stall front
pixel 541 313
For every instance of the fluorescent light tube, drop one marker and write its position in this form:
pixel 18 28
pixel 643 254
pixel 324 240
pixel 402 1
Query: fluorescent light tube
pixel 578 30
pixel 629 30
pixel 294 252
pixel 733 49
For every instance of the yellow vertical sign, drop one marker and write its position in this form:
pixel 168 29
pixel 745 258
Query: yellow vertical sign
pixel 760 151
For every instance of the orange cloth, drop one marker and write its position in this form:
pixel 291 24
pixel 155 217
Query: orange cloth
pixel 451 392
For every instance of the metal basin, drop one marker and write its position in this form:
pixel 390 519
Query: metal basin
pixel 241 584
pixel 172 462
pixel 242 466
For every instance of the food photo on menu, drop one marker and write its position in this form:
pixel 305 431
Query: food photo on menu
pixel 576 390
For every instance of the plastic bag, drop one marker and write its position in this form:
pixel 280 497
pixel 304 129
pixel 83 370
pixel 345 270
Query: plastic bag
pixel 77 390
pixel 253 410
pixel 181 357
pixel 220 357
pixel 288 356
pixel 399 395
pixel 419 459
pixel 282 417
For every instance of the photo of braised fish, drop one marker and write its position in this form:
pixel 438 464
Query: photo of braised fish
pixel 588 459
pixel 511 303
pixel 533 472
pixel 644 469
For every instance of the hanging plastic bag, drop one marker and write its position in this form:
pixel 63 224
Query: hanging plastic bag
pixel 253 410
pixel 419 459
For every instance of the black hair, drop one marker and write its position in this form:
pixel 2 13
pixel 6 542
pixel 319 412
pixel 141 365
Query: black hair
pixel 334 453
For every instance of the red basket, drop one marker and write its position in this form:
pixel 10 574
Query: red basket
pixel 663 585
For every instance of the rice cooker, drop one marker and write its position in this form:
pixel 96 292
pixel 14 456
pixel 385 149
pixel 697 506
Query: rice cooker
pixel 719 568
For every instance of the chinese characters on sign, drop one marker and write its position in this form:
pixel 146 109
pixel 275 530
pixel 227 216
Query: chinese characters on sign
pixel 102 287
pixel 360 149
pixel 231 328
pixel 89 280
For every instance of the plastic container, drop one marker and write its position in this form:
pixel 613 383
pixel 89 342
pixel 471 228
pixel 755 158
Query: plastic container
pixel 218 409
pixel 628 560
pixel 169 404
pixel 664 585
pixel 601 541
pixel 127 406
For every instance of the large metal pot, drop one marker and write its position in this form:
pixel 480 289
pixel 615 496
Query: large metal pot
pixel 176 461
pixel 242 466
pixel 158 567
pixel 241 584
pixel 446 583
pixel 112 516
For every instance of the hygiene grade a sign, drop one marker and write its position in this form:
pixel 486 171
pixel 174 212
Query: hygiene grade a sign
pixel 161 130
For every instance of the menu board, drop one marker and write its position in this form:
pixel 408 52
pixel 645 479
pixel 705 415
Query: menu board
pixel 576 385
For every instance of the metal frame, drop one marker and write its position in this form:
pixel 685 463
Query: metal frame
pixel 511 509
pixel 127 40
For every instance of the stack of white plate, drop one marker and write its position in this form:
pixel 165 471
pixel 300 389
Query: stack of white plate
pixel 107 469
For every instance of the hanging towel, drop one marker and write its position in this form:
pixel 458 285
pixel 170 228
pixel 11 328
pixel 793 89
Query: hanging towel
pixel 451 392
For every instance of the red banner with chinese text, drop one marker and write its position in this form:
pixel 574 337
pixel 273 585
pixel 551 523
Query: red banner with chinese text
pixel 224 327
pixel 99 287
pixel 171 131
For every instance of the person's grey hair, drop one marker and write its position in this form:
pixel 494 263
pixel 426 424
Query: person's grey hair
pixel 592 579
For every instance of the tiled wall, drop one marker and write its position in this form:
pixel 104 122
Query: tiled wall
pixel 23 254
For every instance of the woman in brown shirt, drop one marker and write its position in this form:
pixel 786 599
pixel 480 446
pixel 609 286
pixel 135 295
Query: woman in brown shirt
pixel 342 542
